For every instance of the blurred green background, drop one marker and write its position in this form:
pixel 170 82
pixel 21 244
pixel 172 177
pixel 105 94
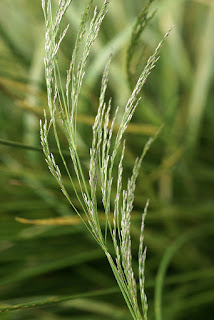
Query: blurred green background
pixel 41 261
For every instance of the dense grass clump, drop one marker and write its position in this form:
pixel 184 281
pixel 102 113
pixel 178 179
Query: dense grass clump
pixel 59 249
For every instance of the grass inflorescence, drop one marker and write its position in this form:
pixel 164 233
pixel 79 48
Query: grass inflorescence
pixel 104 149
pixel 59 249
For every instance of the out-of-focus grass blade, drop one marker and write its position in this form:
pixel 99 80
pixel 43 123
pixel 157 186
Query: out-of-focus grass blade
pixel 167 257
pixel 201 84
pixel 53 300
pixel 52 266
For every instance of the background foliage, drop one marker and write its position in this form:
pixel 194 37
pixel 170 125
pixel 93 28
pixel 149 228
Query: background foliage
pixel 57 257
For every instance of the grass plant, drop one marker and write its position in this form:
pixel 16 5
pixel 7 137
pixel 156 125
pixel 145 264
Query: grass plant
pixel 57 252
pixel 63 103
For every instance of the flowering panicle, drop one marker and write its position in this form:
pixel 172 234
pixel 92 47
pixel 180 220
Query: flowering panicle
pixel 63 102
